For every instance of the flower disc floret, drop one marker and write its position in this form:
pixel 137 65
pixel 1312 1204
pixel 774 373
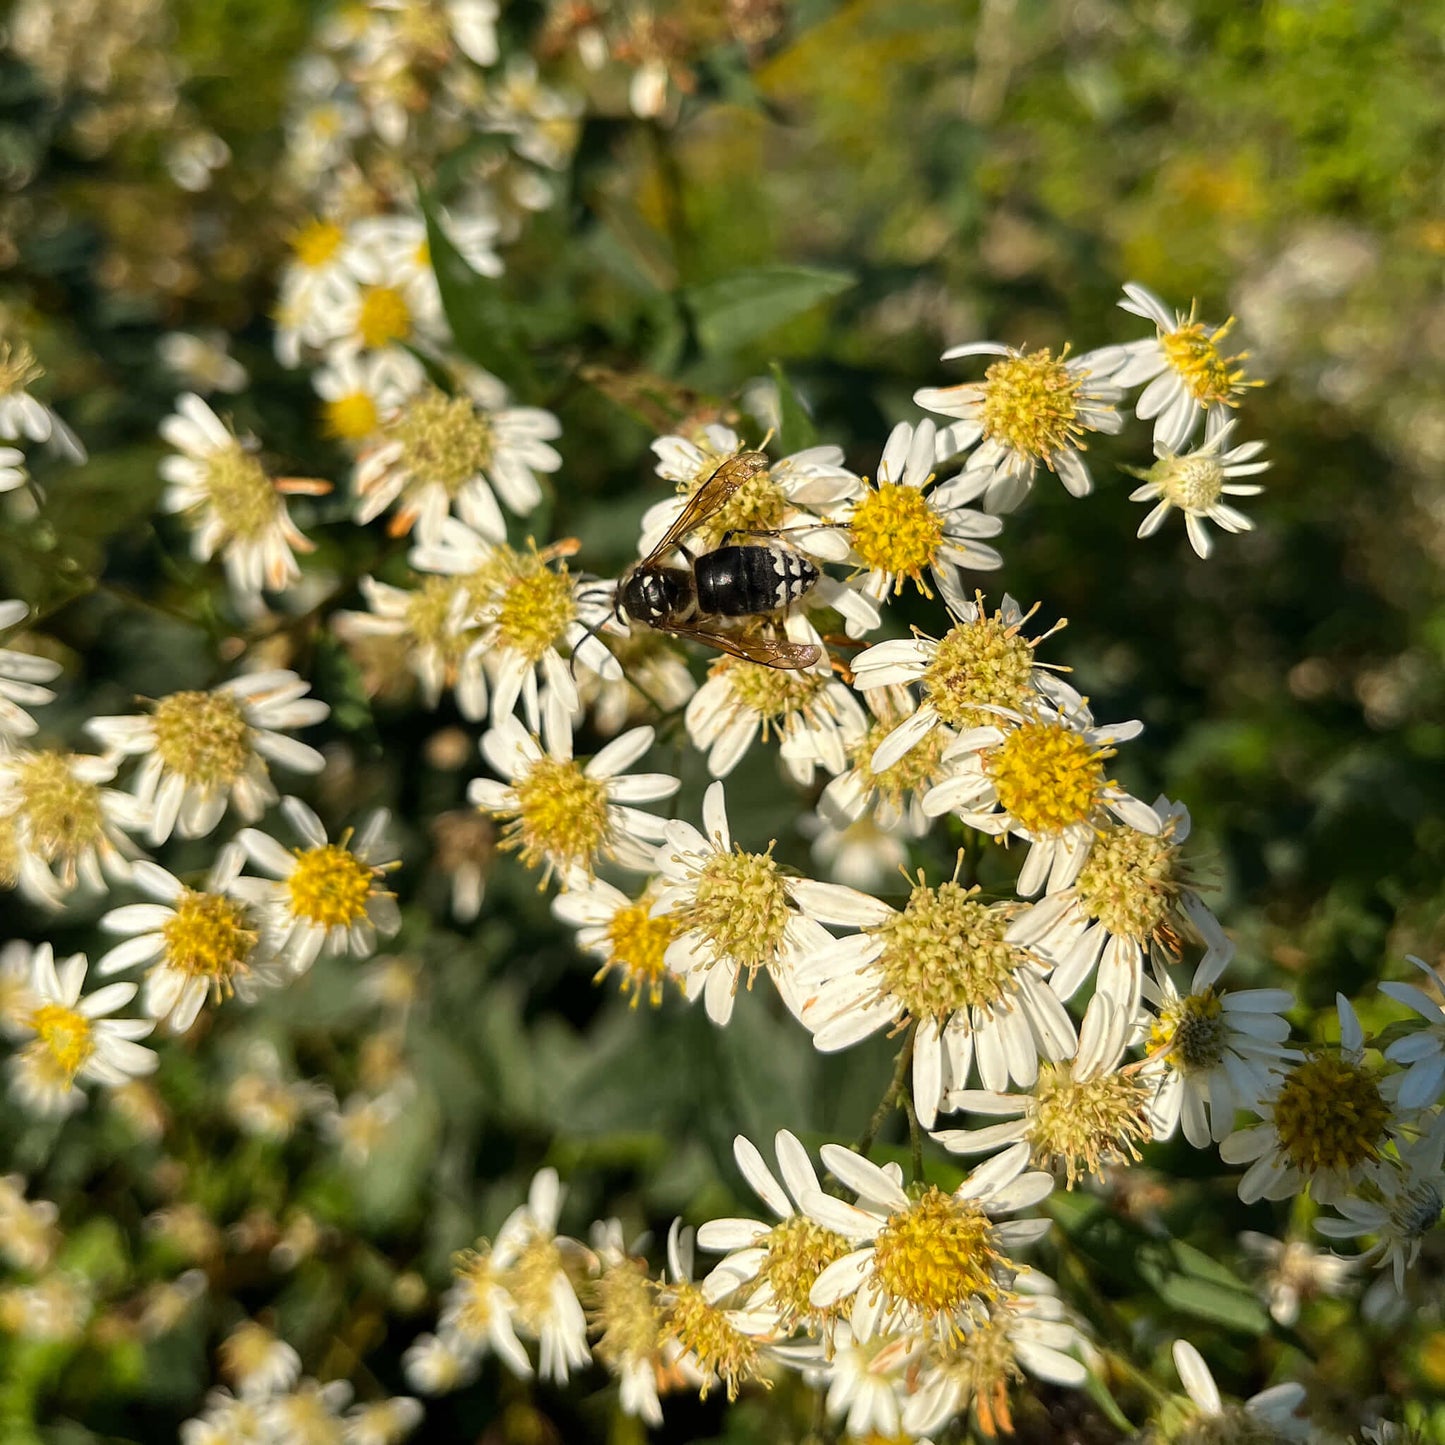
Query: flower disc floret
pixel 979 665
pixel 207 936
pixel 1192 350
pixel 329 886
pixel 240 493
pixel 1031 404
pixel 1191 1032
pixel 383 317
pixel 705 1331
pixel 1047 776
pixel 531 1281
pixel 759 505
pixel 1130 881
pixel 1193 482
pixel 939 1255
pixel 1085 1123
pixel 535 610
pixel 893 529
pixel 1329 1114
pixel 945 952
pixel 561 815
pixel 445 440
pixel 798 1251
pixel 624 1314
pixel 203 737
pixel 18 367
pixel 740 905
pixel 65 1040
pixel 772 693
pixel 63 813
pixel 317 242
pixel 914 773
pixel 637 941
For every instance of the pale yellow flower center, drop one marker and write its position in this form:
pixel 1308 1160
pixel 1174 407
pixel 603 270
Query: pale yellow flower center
pixel 740 906
pixel 474 1307
pixel 1130 881
pixel 445 440
pixel 64 1040
pixel 240 493
pixel 62 813
pixel 536 609
pixel 914 773
pixel 1329 1114
pixel 18 368
pixel 759 505
pixel 1048 778
pixel 316 243
pixel 982 1365
pixel 894 530
pixel 384 317
pixel 203 737
pixel 636 943
pixel 1031 404
pixel 988 663
pixel 1192 483
pixel 720 1347
pixel 624 1314
pixel 531 1281
pixel 938 1255
pixel 329 886
pixel 430 612
pixel 798 1251
pixel 350 418
pixel 1085 1124
pixel 777 695
pixel 208 937
pixel 561 819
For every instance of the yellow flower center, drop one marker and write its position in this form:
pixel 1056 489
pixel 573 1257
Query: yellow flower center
pixel 65 1039
pixel 315 243
pixel 982 1365
pixel 561 819
pixel 781 697
pixel 1130 881
pixel 1048 778
pixel 915 772
pixel 624 1314
pixel 532 1282
pixel 249 1348
pixel 330 886
pixel 987 663
pixel 719 1346
pixel 209 937
pixel 1191 1033
pixel 636 942
pixel 204 737
pixel 1192 350
pixel 759 505
pixel 18 367
pixel 431 610
pixel 384 317
pixel 240 493
pixel 350 418
pixel 938 1255
pixel 445 440
pixel 740 906
pixel 62 813
pixel 535 609
pixel 946 951
pixel 1031 404
pixel 1084 1124
pixel 798 1251
pixel 471 1303
pixel 894 530
pixel 1329 1114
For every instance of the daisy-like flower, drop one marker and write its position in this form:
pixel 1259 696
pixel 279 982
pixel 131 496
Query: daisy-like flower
pixel 1134 891
pixel 328 895
pixel 792 494
pixel 28 1236
pixel 232 507
pixel 202 362
pixel 1326 1122
pixel 437 453
pixel 67 825
pixel 21 415
pixel 1197 482
pixel 317 286
pixel 922 1260
pixel 464 847
pixel 1183 370
pixel 898 528
pixel 777 1263
pixel 565 816
pixel 1295 1271
pixel 1267 1417
pixel 73 1039
pixel 257 1363
pixel 311 1411
pixel 625 1322
pixel 435 1366
pixel 1422 1052
pixel 943 963
pixel 859 855
pixel 203 750
pixel 1041 778
pixel 983 665
pixel 1078 1118
pixel 1218 1050
pixel 357 389
pixel 382 1422
pixel 630 936
pixel 21 676
pixel 809 710
pixel 735 912
pixel 1032 408
pixel 199 943
pixel 476 1319
pixel 868 1371
pixel 542 123
pixel 655 681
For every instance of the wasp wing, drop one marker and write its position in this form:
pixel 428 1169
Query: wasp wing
pixel 709 499
pixel 766 651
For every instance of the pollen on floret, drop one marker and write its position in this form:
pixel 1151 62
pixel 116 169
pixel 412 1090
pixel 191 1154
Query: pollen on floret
pixel 1329 1114
pixel 776 694
pixel 64 1040
pixel 759 505
pixel 350 418
pixel 240 493
pixel 914 773
pixel 531 1281
pixel 384 317
pixel 719 1347
pixel 946 951
pixel 1047 776
pixel 445 440
pixel 980 665
pixel 63 814
pixel 1130 882
pixel 798 1250
pixel 471 1303
pixel 637 941
pixel 18 367
pixel 894 530
pixel 315 243
pixel 208 936
pixel 1084 1124
pixel 1193 482
pixel 939 1255
pixel 330 886
pixel 984 1364
pixel 203 737
pixel 431 615
pixel 740 905
pixel 1031 404
pixel 1190 1033
pixel 1192 350
pixel 537 605
pixel 561 819
pixel 623 1314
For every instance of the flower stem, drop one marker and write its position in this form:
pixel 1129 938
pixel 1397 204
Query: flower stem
pixel 889 1101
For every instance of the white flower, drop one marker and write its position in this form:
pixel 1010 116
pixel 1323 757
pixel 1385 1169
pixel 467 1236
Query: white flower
pixel 1040 778
pixel 1295 1270
pixel 868 1372
pixel 564 816
pixel 624 1318
pixel 28 1236
pixel 73 1039
pixel 1187 375
pixel 202 362
pixel 231 506
pixel 329 895
pixel 1031 409
pixel 203 750
pixel 13 475
pixel 655 680
pixel 1422 1052
pixel 629 936
pixel 21 415
pixel 382 1422
pixel 317 288
pixel 1273 1408
pixel 199 943
pixel 257 1363
pixel 543 123
pixel 357 389
pixel 308 1413
pixel 436 1366
pixel 226 1421
pixel 1197 482
pixel 859 855
pixel 944 963
pixel 735 912
pixel 21 674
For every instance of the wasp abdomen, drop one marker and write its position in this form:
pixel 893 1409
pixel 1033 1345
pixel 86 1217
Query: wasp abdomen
pixel 746 581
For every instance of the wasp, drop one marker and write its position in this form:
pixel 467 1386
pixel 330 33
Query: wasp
pixel 730 585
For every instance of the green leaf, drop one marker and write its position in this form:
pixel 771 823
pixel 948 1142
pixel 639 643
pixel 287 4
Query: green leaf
pixel 795 427
pixel 733 310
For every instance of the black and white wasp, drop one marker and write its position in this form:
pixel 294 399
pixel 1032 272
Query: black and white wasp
pixel 722 597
